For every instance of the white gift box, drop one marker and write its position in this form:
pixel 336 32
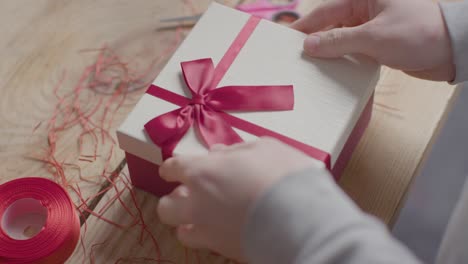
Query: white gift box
pixel 332 98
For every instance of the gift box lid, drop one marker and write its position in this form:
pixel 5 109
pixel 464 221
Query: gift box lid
pixel 329 95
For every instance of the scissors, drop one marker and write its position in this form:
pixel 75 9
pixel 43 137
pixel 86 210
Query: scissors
pixel 280 13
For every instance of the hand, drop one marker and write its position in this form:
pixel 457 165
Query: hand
pixel 409 35
pixel 210 207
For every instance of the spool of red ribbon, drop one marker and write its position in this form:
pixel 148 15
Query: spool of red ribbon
pixel 38 222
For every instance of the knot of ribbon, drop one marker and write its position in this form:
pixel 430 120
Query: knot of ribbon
pixel 205 110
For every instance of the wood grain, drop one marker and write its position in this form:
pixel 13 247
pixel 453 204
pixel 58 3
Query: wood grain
pixel 42 38
pixel 395 143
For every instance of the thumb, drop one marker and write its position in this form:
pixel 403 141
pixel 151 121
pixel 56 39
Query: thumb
pixel 337 42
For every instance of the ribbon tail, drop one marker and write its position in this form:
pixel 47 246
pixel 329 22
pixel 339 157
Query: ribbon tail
pixel 252 98
pixel 213 129
pixel 168 129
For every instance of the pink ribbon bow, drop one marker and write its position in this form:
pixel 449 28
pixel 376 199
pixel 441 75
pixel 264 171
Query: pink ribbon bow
pixel 207 106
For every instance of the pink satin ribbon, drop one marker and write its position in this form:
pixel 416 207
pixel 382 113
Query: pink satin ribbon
pixel 205 110
pixel 57 240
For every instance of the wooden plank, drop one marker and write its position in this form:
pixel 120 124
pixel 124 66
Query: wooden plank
pixel 40 41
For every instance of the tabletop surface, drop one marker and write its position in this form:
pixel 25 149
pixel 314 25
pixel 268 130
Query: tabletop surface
pixel 48 46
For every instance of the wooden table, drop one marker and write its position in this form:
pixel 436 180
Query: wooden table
pixel 40 39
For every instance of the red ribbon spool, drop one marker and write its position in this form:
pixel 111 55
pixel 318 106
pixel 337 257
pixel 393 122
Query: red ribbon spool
pixel 38 222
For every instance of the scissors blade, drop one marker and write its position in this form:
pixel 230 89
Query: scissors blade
pixel 180 19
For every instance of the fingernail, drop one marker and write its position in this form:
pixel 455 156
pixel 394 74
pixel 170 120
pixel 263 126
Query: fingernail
pixel 311 43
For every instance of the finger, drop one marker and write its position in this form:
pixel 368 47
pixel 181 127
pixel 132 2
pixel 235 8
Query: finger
pixel 190 236
pixel 338 42
pixel 174 209
pixel 177 169
pixel 327 14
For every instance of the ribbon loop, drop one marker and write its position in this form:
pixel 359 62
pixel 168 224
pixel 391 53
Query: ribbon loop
pixel 198 75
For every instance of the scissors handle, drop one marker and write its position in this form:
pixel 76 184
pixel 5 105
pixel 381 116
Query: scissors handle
pixel 285 17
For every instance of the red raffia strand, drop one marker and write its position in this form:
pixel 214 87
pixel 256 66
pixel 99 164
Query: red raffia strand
pixel 85 201
pixel 92 250
pixel 111 201
pixel 84 208
pixel 107 106
pixel 127 186
pixel 83 234
pixel 88 210
pixel 126 181
pixel 117 197
pixel 144 227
